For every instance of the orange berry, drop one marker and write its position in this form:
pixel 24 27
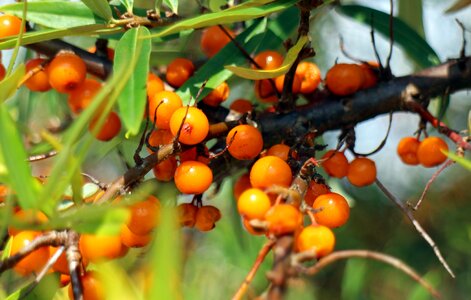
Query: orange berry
pixel 310 77
pixel 335 164
pixel 295 87
pixel 154 85
pixel 317 238
pixel 132 240
pixel 279 150
pixel 245 142
pixel 100 247
pixel 193 177
pixel 283 218
pixel 362 171
pixel 241 185
pixel 194 129
pixel 110 128
pixel 430 153
pixel 206 216
pixel 66 72
pixel 144 216
pixel 218 95
pixel 253 204
pixel 27 216
pixel 270 170
pixel 265 92
pixel 407 150
pixel 187 214
pixel 33 262
pixel 3 72
pixel 344 79
pixel 160 137
pixel 241 106
pixel 9 25
pixel 334 210
pixel 178 71
pixel 214 39
pixel 166 103
pixel 165 170
pixel 92 287
pixel 268 60
pixel 83 95
pixel 371 78
pixel 195 153
pixel 314 190
pixel 64 280
pixel 39 81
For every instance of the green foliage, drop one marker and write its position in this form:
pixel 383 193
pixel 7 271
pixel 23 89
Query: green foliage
pixel 100 7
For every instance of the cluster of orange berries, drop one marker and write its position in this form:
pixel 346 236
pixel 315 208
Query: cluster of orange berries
pixel 346 79
pixel 427 152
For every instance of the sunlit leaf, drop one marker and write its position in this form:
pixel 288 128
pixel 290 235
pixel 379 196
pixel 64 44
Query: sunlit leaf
pixel 288 61
pixel 466 163
pixel 100 7
pixel 128 4
pixel 8 86
pixel 458 5
pixel 172 4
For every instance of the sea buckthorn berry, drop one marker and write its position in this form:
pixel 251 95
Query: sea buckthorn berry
pixel 335 163
pixel 333 210
pixel 218 95
pixel 317 238
pixel 83 95
pixel 295 87
pixel 9 25
pixel 430 151
pixel 279 150
pixel 132 240
pixel 165 170
pixel 407 150
pixel 197 153
pixel 283 218
pixel 241 106
pixel 100 247
pixel 144 216
pixel 371 78
pixel 362 171
pixel 206 217
pixel 154 85
pixel 193 177
pixel 314 190
pixel 194 129
pixel 160 137
pixel 64 280
pixel 245 142
pixel 33 262
pixel 344 79
pixel 28 216
pixel 241 185
pixel 110 128
pixel 214 39
pixel 39 80
pixel 265 92
pixel 4 192
pixel 187 214
pixel 268 60
pixel 253 204
pixel 3 72
pixel 251 229
pixel 92 287
pixel 109 52
pixel 270 170
pixel 178 71
pixel 310 77
pixel 66 72
pixel 166 103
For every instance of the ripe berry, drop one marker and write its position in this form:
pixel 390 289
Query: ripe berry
pixel 144 216
pixel 334 210
pixel 214 39
pixel 317 238
pixel 407 150
pixel 187 214
pixel 310 77
pixel 371 78
pixel 66 72
pixel 241 185
pixel 154 85
pixel 28 216
pixel 83 95
pixel 178 71
pixel 362 171
pixel 265 92
pixel 253 204
pixel 165 170
pixel 335 164
pixel 194 129
pixel 132 240
pixel 245 142
pixel 279 150
pixel 9 25
pixel 430 153
pixel 193 177
pixel 33 262
pixel 295 87
pixel 160 137
pixel 218 95
pixel 241 106
pixel 100 247
pixel 283 218
pixel 166 103
pixel 344 79
pixel 110 128
pixel 314 190
pixel 92 287
pixel 206 216
pixel 39 81
pixel 268 60
pixel 270 170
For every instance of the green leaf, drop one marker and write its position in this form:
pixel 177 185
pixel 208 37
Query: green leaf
pixel 128 4
pixel 236 14
pixel 14 154
pixel 8 86
pixel 55 14
pixel 459 5
pixel 172 4
pixel 466 163
pixel 100 7
pixel 132 100
pixel 414 45
pixel 410 11
pixel 290 58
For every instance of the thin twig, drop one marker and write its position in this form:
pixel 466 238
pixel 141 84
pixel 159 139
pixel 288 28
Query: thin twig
pixel 396 263
pixel 391 35
pixel 34 158
pixel 381 145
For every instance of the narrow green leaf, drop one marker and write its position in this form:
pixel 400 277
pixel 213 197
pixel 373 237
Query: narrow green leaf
pixel 100 7
pixel 55 14
pixel 458 5
pixel 172 4
pixel 8 86
pixel 117 283
pixel 290 58
pixel 466 163
pixel 14 154
pixel 410 11
pixel 128 4
pixel 132 100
